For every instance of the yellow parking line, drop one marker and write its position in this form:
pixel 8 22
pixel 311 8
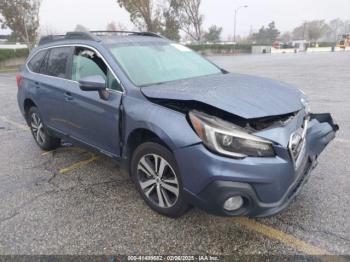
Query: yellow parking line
pixel 283 237
pixel 78 164
pixel 11 122
pixel 75 149
pixel 9 70
pixel 48 152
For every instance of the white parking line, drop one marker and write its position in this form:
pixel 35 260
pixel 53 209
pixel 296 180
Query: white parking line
pixel 15 124
pixel 342 140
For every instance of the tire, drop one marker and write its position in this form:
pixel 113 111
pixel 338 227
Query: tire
pixel 162 191
pixel 40 134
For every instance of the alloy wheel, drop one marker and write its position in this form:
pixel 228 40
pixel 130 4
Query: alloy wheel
pixel 158 180
pixel 37 128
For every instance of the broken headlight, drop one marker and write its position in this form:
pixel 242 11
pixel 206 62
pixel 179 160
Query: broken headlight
pixel 228 139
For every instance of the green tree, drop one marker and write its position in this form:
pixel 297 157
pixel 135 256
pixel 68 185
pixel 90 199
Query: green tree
pixel 166 16
pixel 191 19
pixel 22 17
pixel 311 30
pixel 171 23
pixel 335 29
pixel 143 14
pixel 286 37
pixel 213 35
pixel 316 29
pixel 300 33
pixel 266 35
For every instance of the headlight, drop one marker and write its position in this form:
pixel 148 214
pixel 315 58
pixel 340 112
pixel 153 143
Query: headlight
pixel 228 139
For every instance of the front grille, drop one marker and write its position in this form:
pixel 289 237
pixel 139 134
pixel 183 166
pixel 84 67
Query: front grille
pixel 304 174
pixel 296 146
pixel 297 143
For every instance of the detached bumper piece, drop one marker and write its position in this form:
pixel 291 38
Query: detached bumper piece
pixel 321 132
pixel 325 118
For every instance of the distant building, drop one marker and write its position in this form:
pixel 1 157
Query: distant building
pixel 261 49
pixel 300 45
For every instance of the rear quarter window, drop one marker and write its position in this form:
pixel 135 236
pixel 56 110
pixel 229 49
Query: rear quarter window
pixel 36 61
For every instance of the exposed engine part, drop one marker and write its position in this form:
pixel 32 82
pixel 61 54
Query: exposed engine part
pixel 251 125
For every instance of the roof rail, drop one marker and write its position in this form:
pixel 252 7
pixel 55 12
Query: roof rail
pixel 106 33
pixel 92 36
pixel 68 36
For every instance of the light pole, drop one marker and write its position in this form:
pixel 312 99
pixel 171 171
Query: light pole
pixel 234 32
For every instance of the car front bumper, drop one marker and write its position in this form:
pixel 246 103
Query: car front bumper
pixel 267 185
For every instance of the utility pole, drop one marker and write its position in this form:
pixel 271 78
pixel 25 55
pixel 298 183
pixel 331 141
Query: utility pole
pixel 235 25
pixel 304 29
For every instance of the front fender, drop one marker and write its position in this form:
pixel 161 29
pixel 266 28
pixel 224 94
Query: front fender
pixel 169 125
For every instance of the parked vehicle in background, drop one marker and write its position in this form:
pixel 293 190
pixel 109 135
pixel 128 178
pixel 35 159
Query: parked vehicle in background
pixel 344 42
pixel 188 132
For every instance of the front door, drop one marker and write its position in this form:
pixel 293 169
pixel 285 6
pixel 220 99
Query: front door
pixel 94 121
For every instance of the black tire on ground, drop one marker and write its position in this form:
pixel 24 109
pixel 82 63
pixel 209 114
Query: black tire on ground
pixel 45 141
pixel 148 151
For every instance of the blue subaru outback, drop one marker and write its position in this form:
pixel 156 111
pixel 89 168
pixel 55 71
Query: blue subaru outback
pixel 188 132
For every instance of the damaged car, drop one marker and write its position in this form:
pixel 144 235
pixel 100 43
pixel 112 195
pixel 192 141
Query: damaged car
pixel 188 132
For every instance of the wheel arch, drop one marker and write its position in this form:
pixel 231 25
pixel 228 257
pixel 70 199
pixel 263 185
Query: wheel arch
pixel 139 136
pixel 27 104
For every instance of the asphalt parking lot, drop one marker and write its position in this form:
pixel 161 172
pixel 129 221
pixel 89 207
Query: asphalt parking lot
pixel 71 201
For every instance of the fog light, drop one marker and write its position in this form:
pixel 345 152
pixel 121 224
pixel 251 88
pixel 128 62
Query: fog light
pixel 233 203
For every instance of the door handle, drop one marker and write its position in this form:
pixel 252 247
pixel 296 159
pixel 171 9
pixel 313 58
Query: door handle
pixel 68 96
pixel 37 84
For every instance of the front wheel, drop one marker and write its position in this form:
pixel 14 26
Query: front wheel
pixel 157 178
pixel 43 139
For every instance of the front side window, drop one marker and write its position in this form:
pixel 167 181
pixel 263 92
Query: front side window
pixel 36 62
pixel 150 63
pixel 58 60
pixel 86 62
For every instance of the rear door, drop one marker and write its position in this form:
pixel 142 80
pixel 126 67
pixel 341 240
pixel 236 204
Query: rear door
pixel 94 121
pixel 54 87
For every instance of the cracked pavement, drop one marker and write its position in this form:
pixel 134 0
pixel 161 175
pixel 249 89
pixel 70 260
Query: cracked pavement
pixel 94 208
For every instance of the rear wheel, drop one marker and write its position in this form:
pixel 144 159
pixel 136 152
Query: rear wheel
pixel 158 180
pixel 41 136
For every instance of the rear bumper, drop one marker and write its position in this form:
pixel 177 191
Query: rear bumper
pixel 20 101
pixel 267 185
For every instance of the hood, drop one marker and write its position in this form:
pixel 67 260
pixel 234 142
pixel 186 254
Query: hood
pixel 242 95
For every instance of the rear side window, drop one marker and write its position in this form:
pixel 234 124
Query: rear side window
pixel 36 62
pixel 58 62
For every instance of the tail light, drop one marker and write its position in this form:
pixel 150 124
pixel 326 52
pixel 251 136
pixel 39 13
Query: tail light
pixel 18 80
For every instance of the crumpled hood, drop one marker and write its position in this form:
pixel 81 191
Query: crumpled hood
pixel 242 95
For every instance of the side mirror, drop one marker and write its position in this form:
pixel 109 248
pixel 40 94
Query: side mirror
pixel 94 83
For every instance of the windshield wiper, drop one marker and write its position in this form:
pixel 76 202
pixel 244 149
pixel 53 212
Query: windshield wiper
pixel 154 84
